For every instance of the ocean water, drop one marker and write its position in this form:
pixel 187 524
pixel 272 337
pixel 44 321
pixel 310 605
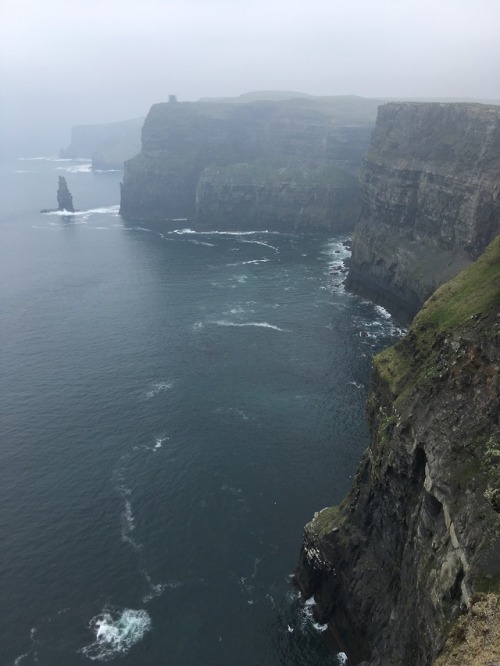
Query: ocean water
pixel 175 406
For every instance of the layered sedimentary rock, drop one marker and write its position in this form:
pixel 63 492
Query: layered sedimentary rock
pixel 414 549
pixel 260 197
pixel 430 200
pixel 234 164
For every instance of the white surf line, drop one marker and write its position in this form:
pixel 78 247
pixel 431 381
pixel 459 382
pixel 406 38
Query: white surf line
pixel 258 324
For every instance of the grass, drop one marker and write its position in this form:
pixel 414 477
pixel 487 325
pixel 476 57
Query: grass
pixel 472 295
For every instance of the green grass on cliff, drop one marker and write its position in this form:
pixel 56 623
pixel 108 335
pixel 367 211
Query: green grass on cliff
pixel 454 307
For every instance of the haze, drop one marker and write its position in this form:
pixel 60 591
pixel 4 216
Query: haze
pixel 86 61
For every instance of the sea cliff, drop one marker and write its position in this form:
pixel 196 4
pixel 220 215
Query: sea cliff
pixel 430 189
pixel 287 165
pixel 107 144
pixel 411 557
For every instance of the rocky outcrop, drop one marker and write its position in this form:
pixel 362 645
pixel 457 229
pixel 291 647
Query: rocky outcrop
pixel 64 198
pixel 107 144
pixel 416 543
pixel 430 200
pixel 193 157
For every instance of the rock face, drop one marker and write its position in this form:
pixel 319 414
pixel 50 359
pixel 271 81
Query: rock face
pixel 430 200
pixel 279 198
pixel 64 198
pixel 417 540
pixel 258 164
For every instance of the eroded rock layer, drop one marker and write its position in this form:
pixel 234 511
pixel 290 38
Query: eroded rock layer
pixel 417 540
pixel 430 200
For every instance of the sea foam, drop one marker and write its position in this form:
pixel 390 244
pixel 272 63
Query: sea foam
pixel 258 324
pixel 115 633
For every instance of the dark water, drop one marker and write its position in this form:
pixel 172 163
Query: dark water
pixel 174 408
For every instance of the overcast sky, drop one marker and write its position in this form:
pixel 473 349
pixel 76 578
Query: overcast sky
pixel 65 62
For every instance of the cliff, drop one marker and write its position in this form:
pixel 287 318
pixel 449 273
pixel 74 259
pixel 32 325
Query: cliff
pixel 107 144
pixel 212 161
pixel 430 200
pixel 412 555
pixel 263 197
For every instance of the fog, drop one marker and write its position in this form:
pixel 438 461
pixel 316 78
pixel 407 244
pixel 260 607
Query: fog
pixel 66 62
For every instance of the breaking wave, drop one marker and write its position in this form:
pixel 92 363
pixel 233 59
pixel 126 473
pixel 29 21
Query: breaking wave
pixel 104 210
pixel 116 632
pixel 259 324
pixel 221 233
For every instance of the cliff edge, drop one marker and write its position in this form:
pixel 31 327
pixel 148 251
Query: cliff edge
pixel 430 200
pixel 411 557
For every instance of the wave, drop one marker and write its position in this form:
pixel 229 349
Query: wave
pixel 256 242
pixel 251 261
pixel 104 210
pixel 53 158
pixel 220 233
pixel 342 657
pixel 81 168
pixel 258 324
pixel 383 312
pixel 116 632
pixel 158 388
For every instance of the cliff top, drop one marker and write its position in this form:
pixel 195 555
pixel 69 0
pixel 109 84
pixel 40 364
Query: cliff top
pixel 468 302
pixel 459 137
pixel 341 109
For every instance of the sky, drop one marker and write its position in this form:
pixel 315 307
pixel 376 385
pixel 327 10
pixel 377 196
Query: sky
pixel 67 62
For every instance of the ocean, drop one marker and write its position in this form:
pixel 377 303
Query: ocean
pixel 175 406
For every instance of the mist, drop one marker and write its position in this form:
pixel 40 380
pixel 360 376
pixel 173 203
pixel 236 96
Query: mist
pixel 86 61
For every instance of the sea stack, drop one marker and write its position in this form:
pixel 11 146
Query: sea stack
pixel 64 198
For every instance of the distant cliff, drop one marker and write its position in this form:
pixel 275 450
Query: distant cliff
pixel 262 163
pixel 107 144
pixel 412 555
pixel 430 200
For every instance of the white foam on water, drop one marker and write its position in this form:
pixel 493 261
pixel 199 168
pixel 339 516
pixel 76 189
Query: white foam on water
pixel 104 210
pixel 358 386
pixel 219 233
pixel 256 242
pixel 232 411
pixel 54 158
pixel 310 602
pixel 320 627
pixel 158 388
pixel 115 633
pixel 251 261
pixel 383 312
pixel 197 242
pixel 258 324
pixel 342 657
pixel 80 168
pixel 158 443
pixel 19 659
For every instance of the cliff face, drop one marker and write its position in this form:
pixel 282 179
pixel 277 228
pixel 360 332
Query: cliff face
pixel 430 200
pixel 108 144
pixel 417 540
pixel 212 162
pixel 279 198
